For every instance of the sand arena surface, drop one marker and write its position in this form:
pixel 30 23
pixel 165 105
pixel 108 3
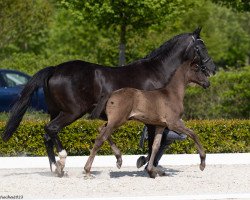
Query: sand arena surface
pixel 125 182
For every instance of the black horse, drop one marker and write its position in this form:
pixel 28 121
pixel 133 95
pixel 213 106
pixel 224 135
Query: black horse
pixel 75 88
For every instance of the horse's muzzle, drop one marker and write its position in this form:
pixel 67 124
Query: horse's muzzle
pixel 206 85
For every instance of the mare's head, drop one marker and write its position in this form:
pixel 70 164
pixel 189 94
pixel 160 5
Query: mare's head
pixel 187 47
pixel 196 52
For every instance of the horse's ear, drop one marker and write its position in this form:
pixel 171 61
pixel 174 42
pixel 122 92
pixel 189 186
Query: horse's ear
pixel 197 32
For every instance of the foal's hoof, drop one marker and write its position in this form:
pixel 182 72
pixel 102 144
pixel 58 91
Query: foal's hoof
pixel 152 173
pixel 59 169
pixel 202 166
pixel 119 163
pixel 141 161
pixel 161 172
pixel 89 176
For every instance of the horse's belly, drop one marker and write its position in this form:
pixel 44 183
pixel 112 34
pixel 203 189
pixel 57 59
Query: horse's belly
pixel 148 118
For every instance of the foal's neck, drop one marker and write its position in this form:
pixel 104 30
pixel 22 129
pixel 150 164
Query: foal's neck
pixel 178 83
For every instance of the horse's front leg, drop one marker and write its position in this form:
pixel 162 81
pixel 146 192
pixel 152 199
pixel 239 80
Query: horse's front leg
pixel 156 145
pixel 181 128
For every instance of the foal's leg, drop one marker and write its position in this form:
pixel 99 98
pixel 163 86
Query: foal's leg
pixel 115 150
pixel 156 145
pixel 117 153
pixel 52 129
pixel 105 132
pixel 181 128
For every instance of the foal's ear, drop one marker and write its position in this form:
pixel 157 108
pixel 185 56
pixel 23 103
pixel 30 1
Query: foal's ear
pixel 197 32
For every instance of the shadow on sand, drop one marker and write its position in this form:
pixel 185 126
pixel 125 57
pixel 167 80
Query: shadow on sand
pixel 113 174
pixel 142 173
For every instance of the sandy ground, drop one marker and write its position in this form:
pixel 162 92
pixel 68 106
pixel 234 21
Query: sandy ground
pixel 126 182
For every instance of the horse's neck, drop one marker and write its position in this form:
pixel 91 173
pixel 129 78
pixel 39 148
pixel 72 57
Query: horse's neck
pixel 168 64
pixel 177 84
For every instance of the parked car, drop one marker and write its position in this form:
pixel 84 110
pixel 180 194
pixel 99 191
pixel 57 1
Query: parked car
pixel 11 84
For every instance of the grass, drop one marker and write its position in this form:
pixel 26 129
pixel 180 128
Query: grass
pixel 29 115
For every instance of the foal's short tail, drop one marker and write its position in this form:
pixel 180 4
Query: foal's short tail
pixel 20 107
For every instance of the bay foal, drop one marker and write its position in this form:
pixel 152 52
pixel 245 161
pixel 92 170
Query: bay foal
pixel 162 108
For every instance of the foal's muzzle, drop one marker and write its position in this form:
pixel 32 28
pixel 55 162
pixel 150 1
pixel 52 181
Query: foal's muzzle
pixel 206 85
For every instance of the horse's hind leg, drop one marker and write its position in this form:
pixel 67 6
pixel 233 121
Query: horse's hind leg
pixel 115 150
pixel 156 145
pixel 52 129
pixel 50 150
pixel 50 145
pixel 117 153
pixel 105 132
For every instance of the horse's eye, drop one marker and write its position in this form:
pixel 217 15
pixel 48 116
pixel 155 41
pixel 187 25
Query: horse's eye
pixel 196 68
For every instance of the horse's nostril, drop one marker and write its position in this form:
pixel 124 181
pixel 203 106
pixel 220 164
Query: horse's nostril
pixel 207 84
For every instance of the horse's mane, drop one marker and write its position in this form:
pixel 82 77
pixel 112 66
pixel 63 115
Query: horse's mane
pixel 168 47
pixel 165 50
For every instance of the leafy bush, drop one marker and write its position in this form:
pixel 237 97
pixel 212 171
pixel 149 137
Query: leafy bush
pixel 217 136
pixel 228 97
pixel 31 63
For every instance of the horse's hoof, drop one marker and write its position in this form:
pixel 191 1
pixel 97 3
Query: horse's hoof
pixel 60 174
pixel 161 172
pixel 202 166
pixel 89 176
pixel 141 161
pixel 59 169
pixel 119 163
pixel 50 165
pixel 152 173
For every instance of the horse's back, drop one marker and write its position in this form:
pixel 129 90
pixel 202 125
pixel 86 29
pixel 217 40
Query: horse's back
pixel 71 86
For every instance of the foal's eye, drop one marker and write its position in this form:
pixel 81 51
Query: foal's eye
pixel 197 68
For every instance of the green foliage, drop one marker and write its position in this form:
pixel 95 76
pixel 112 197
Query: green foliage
pixel 126 16
pixel 31 63
pixel 239 5
pixel 136 14
pixel 85 40
pixel 228 97
pixel 47 34
pixel 30 115
pixel 217 136
pixel 226 33
pixel 24 25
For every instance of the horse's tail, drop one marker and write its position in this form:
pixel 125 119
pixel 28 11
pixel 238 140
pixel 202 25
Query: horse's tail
pixel 99 108
pixel 18 110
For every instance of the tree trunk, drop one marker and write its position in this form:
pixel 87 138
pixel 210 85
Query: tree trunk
pixel 122 46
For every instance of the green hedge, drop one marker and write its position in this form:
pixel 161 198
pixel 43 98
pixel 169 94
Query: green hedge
pixel 228 97
pixel 217 136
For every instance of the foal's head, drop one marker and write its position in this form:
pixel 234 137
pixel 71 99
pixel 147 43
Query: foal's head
pixel 201 65
pixel 196 74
